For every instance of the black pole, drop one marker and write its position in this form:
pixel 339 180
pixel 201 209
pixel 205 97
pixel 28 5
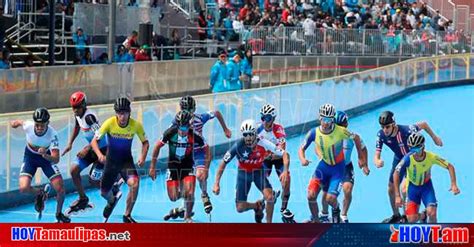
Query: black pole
pixel 51 33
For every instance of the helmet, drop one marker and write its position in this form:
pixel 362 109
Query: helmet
pixel 268 109
pixel 248 126
pixel 183 118
pixel 386 117
pixel 341 118
pixel 187 103
pixel 78 99
pixel 41 115
pixel 122 104
pixel 327 110
pixel 416 139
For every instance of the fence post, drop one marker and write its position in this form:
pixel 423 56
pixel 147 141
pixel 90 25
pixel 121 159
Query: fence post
pixel 324 41
pixel 63 29
pixel 363 42
pixel 284 41
pixel 161 53
pixel 18 24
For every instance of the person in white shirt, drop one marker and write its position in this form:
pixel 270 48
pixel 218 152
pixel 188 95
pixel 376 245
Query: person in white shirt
pixel 309 26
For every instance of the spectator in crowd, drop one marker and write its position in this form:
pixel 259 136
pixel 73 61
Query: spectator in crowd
pixel 131 43
pixel 80 40
pixel 219 76
pixel 123 56
pixel 5 59
pixel 28 61
pixel 142 54
pixel 202 25
pixel 159 41
pixel 246 67
pixel 309 28
pixel 233 71
pixel 175 41
pixel 102 59
pixel 87 59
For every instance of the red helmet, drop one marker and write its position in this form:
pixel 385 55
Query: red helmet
pixel 78 99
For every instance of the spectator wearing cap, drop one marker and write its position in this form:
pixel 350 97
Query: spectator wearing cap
pixel 233 71
pixel 80 41
pixel 397 17
pixel 218 81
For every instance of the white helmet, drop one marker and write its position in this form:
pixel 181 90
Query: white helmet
pixel 327 110
pixel 248 126
pixel 268 109
pixel 416 139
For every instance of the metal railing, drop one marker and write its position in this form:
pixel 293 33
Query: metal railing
pixel 458 13
pixel 12 7
pixel 355 42
pixel 188 7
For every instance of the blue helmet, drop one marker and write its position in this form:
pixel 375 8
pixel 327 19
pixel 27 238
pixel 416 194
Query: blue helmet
pixel 341 118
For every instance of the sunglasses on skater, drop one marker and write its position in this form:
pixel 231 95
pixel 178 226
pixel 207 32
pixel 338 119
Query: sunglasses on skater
pixel 248 134
pixel 267 118
pixel 184 128
pixel 327 119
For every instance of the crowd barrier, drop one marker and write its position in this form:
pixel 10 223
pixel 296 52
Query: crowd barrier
pixel 297 101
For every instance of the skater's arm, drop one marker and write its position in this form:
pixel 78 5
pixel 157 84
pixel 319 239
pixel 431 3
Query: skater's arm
pixel 378 150
pixel 220 171
pixel 452 174
pixel 74 134
pixel 95 147
pixel 378 162
pixel 302 156
pixel 226 130
pixel 156 152
pixel 145 147
pixel 403 164
pixel 424 126
pixel 361 152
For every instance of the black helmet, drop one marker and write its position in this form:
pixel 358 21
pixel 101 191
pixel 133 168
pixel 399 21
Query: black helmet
pixel 41 115
pixel 183 118
pixel 122 104
pixel 386 117
pixel 187 103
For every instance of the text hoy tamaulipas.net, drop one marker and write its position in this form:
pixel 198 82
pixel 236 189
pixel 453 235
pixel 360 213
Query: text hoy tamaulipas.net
pixel 73 234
